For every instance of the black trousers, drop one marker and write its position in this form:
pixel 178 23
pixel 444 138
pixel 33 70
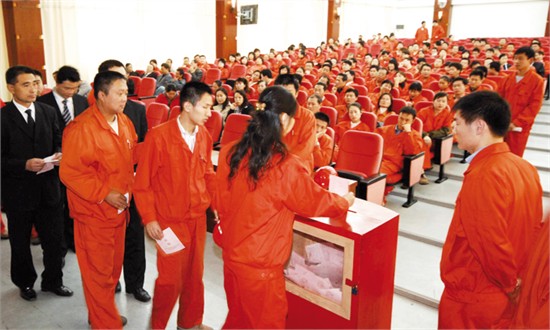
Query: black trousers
pixel 68 224
pixel 48 222
pixel 134 252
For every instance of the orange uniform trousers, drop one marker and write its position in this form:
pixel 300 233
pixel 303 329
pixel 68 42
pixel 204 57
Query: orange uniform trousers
pixel 180 277
pixel 256 298
pixel 100 256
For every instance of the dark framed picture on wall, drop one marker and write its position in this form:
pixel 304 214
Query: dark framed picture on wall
pixel 249 14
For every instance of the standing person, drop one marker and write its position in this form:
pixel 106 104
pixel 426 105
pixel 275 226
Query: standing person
pixel 134 246
pixel 69 104
pixel 98 170
pixel 422 34
pixel 260 187
pixel 301 139
pixel 486 247
pixel 438 32
pixel 523 89
pixel 30 133
pixel 179 151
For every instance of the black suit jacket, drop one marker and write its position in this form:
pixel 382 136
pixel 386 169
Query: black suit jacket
pixel 136 113
pixel 80 104
pixel 22 189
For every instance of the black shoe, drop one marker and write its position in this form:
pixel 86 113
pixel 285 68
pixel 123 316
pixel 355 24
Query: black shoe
pixel 141 295
pixel 118 288
pixel 61 291
pixel 27 293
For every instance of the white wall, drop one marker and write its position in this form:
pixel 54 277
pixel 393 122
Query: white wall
pixel 499 18
pixel 282 23
pixel 130 31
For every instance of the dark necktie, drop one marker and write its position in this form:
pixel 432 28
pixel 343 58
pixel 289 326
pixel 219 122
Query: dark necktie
pixel 66 113
pixel 30 121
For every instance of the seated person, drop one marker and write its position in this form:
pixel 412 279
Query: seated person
pixel 320 89
pixel 399 140
pixel 383 108
pixel 224 69
pixel 425 76
pixel 385 87
pixel 241 104
pixel 444 84
pixel 352 122
pixel 402 84
pixel 490 82
pixel 437 122
pixel 241 84
pixel 415 94
pixel 324 145
pixel 350 97
pixel 313 103
pixel 475 82
pixel 221 103
pixel 169 97
pixel 180 79
pixel 459 89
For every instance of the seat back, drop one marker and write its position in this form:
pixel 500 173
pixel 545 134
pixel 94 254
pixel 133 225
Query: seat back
pixel 156 113
pixel 301 98
pixel 331 98
pixel 428 93
pixel 235 126
pixel 366 104
pixel 214 125
pixel 398 104
pixel 359 80
pixel 360 152
pixel 361 89
pixel 422 104
pixel 312 79
pixel 237 71
pixel 433 85
pixel 147 87
pixel 330 132
pixel 212 75
pixel 137 83
pixel 369 118
pixel 307 84
pixel 174 112
pixel 332 115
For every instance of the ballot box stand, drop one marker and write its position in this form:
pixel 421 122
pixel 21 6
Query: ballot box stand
pixel 367 238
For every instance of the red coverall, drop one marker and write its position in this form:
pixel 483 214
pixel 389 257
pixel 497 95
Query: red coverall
pixel 344 126
pixel 322 152
pixel 438 33
pixel 434 126
pixel 301 139
pixel 257 235
pixel 172 187
pixel 395 146
pixel 95 161
pixel 525 99
pixel 496 216
pixel 421 35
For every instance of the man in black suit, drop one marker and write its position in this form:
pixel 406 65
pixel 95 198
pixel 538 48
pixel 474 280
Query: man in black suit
pixel 134 248
pixel 30 133
pixel 68 105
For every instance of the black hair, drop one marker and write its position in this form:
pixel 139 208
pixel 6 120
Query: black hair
pixel 409 110
pixel 439 95
pixel 13 72
pixel 171 88
pixel 226 102
pixel 528 51
pixel 455 65
pixel 391 98
pixel 106 65
pixel 192 92
pixel 267 73
pixel 263 138
pixel 67 73
pixel 104 80
pixel 287 79
pixel 464 80
pixel 415 86
pixel 323 117
pixel 489 107
pixel 495 65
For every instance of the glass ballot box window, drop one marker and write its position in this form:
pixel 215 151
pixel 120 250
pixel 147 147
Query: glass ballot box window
pixel 318 267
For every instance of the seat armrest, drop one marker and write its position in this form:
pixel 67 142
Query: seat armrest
pixel 351 175
pixel 442 149
pixel 412 168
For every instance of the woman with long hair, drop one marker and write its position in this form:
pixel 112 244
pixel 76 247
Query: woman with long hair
pixel 241 104
pixel 383 108
pixel 260 187
pixel 221 103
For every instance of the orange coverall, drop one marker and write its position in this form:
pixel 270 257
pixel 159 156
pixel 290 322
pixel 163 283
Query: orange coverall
pixel 438 33
pixel 344 126
pixel 257 235
pixel 172 187
pixel 434 126
pixel 322 152
pixel 301 139
pixel 497 213
pixel 95 161
pixel 525 99
pixel 396 145
pixel 421 35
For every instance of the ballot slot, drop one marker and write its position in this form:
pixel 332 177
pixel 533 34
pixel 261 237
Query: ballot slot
pixel 319 265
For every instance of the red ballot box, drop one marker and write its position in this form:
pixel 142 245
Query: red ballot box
pixel 341 271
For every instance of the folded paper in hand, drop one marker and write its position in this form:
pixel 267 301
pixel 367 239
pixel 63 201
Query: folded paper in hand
pixel 170 243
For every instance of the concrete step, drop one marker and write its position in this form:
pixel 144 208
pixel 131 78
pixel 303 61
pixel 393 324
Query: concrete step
pixel 410 314
pixel 417 271
pixel 423 222
pixel 538 142
pixel 543 118
pixel 443 194
pixel 540 130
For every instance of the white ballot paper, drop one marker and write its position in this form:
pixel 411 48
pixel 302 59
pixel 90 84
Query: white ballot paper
pixel 49 163
pixel 126 195
pixel 338 185
pixel 170 243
